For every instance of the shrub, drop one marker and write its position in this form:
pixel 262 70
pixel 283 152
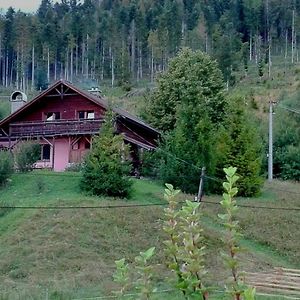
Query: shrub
pixel 74 167
pixel 6 166
pixel 26 155
pixel 105 170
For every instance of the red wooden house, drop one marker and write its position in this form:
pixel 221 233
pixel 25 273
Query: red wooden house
pixel 63 119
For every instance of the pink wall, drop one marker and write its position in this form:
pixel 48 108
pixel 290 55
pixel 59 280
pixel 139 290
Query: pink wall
pixel 61 154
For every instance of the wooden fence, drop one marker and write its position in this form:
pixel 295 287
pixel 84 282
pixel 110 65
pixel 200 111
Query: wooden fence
pixel 280 281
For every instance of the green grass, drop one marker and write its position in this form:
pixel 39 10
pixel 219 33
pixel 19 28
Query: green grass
pixel 70 254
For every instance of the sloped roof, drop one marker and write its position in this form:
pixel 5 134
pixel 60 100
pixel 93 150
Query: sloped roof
pixel 97 100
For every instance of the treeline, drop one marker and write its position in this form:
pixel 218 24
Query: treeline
pixel 129 40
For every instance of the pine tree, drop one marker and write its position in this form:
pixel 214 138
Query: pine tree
pixel 106 171
pixel 243 148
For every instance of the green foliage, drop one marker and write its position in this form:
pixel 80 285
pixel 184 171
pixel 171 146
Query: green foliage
pixel 26 154
pixel 74 167
pixel 193 81
pixel 184 247
pixel 240 145
pixel 286 144
pixel 260 67
pixel 6 166
pixel 140 279
pixel 144 271
pixel 105 170
pixel 203 128
pixel 290 168
pixel 41 80
pixel 121 276
pixel 231 239
pixel 190 106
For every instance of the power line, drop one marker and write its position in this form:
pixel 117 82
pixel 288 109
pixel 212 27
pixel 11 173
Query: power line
pixel 84 207
pixel 143 205
pixel 289 109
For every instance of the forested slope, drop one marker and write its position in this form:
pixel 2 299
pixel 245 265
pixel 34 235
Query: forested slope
pixel 122 40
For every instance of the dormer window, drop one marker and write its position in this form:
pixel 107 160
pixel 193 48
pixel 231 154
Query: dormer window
pixel 51 116
pixel 88 114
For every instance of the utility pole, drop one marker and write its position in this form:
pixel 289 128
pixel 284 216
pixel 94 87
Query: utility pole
pixel 201 184
pixel 270 155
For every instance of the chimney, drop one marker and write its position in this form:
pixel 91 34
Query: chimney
pixel 17 100
pixel 95 91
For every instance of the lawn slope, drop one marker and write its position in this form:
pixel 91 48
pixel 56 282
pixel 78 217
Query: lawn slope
pixel 70 253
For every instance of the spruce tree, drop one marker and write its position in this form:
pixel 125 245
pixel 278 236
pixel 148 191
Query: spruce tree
pixel 105 170
pixel 242 147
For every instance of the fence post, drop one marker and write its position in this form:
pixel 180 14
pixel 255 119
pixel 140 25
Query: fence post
pixel 201 185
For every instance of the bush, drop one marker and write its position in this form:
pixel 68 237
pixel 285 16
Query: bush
pixel 6 166
pixel 105 171
pixel 26 155
pixel 74 167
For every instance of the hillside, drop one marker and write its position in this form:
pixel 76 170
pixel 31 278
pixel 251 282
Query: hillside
pixel 70 253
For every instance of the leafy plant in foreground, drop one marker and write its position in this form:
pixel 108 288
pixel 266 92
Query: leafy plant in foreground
pixel 184 248
pixel 232 236
pixel 139 279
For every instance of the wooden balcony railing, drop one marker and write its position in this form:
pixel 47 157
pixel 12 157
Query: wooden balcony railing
pixel 53 128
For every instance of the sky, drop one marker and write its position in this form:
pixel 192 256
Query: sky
pixel 23 5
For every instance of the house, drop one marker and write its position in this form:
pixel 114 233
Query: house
pixel 63 119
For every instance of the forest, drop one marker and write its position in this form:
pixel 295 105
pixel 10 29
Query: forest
pixel 135 43
pixel 125 41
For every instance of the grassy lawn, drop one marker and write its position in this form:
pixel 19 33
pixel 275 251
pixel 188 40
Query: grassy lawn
pixel 70 254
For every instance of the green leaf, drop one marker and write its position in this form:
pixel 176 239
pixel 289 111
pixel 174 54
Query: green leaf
pixel 169 186
pixel 249 293
pixel 120 263
pixel 148 254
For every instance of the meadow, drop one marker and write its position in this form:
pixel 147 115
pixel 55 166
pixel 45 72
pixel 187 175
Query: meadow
pixel 69 253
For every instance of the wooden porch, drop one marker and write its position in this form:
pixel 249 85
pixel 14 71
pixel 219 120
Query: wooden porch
pixel 55 128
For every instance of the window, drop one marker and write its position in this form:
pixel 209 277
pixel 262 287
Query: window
pixel 45 152
pixel 51 116
pixel 89 114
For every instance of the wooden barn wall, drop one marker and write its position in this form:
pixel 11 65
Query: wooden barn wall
pixel 68 108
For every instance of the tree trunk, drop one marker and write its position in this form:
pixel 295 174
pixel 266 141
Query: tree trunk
pixel 17 69
pixel 87 56
pixel 112 66
pixel 286 44
pixel 32 68
pixel 71 67
pixel 250 47
pixel 76 62
pixel 55 68
pixel 132 48
pixel 152 65
pixel 293 35
pixel 48 65
pixel 269 55
pixel 183 30
pixel 82 58
pixel 6 69
pixel 102 62
pixel 141 63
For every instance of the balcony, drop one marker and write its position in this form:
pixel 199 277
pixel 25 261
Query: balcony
pixel 55 128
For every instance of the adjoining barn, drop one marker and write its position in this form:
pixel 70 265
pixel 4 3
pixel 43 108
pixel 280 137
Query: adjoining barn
pixel 63 119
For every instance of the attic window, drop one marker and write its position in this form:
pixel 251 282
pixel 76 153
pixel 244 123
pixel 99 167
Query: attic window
pixel 51 116
pixel 89 114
